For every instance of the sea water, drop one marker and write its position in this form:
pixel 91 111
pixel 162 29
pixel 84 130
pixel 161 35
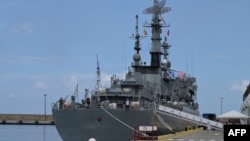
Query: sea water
pixel 29 133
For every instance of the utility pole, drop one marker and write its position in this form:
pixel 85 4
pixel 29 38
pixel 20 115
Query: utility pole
pixel 45 106
pixel 221 99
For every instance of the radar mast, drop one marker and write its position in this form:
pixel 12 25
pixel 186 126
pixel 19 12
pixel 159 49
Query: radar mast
pixel 156 26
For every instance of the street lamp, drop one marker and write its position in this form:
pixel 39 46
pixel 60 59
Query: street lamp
pixel 45 106
pixel 221 99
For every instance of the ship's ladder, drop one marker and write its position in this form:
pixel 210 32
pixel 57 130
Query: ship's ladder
pixel 189 117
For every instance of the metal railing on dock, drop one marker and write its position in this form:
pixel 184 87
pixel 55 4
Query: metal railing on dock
pixel 31 119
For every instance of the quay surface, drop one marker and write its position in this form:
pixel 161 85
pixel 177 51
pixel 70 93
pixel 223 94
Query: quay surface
pixel 26 119
pixel 197 135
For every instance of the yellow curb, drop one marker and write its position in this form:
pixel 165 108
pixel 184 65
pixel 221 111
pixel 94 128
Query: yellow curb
pixel 179 134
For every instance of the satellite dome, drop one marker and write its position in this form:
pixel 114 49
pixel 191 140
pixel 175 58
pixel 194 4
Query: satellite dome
pixel 164 62
pixel 137 57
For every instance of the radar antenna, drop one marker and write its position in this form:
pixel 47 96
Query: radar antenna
pixel 137 36
pixel 158 8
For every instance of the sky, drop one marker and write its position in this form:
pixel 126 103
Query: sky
pixel 49 46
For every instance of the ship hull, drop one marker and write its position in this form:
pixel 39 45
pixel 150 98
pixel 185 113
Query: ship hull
pixel 177 123
pixel 111 124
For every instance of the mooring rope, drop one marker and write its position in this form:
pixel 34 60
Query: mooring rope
pixel 163 122
pixel 117 118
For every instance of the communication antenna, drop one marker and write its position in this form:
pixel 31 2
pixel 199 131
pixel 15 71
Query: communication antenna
pixel 187 64
pixel 86 94
pixel 98 81
pixel 192 62
pixel 137 37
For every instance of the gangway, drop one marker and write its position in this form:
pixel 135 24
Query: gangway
pixel 189 117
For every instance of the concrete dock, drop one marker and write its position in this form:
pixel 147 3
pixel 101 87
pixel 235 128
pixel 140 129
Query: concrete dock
pixel 26 119
pixel 198 135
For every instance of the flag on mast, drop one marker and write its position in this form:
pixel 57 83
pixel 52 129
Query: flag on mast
pixel 98 68
pixel 163 20
pixel 181 74
pixel 145 32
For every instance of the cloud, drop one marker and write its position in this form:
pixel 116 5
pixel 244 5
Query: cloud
pixel 25 28
pixel 70 82
pixel 106 78
pixel 73 80
pixel 240 86
pixel 40 85
pixel 87 81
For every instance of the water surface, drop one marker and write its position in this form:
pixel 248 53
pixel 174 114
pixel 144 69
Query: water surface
pixel 29 133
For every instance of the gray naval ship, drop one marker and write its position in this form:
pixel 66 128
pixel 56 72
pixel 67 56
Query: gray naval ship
pixel 140 98
pixel 245 105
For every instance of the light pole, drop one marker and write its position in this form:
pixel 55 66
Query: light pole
pixel 45 106
pixel 221 99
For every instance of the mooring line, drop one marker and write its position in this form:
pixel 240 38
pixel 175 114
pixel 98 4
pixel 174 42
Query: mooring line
pixel 117 118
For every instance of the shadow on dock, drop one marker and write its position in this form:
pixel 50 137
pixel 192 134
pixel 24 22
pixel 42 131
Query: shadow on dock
pixel 26 119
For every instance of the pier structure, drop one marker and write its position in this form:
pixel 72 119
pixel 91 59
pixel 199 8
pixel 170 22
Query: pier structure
pixel 26 119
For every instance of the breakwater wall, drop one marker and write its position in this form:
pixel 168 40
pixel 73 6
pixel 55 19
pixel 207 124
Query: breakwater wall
pixel 26 119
